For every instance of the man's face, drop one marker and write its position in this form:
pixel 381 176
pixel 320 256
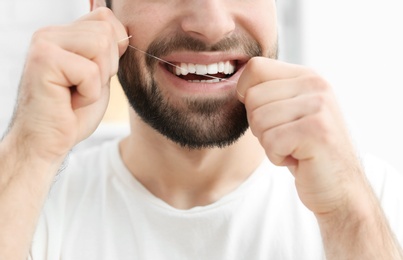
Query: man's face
pixel 210 36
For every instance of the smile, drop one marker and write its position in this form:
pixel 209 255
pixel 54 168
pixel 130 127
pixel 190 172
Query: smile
pixel 204 73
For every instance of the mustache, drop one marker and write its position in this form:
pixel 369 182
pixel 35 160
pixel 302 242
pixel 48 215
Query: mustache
pixel 181 42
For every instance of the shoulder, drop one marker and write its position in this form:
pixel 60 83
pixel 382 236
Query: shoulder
pixel 83 182
pixel 85 171
pixel 93 160
pixel 78 193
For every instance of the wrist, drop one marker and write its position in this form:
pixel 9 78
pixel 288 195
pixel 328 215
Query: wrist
pixel 18 153
pixel 29 146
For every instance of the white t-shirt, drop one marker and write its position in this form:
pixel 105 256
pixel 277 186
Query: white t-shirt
pixel 98 210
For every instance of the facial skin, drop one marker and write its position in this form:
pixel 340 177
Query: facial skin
pixel 206 115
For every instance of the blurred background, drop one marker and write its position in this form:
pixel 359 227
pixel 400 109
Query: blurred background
pixel 356 45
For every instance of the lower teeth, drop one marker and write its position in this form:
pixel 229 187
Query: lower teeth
pixel 205 81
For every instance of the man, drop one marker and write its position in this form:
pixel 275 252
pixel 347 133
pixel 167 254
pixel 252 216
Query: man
pixel 192 180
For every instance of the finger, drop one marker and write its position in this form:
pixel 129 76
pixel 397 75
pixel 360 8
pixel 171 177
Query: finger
pixel 53 71
pixel 268 92
pixel 277 90
pixel 106 14
pixel 307 138
pixel 281 112
pixel 83 79
pixel 282 142
pixel 94 47
pixel 259 70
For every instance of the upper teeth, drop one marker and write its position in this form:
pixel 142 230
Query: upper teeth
pixel 200 69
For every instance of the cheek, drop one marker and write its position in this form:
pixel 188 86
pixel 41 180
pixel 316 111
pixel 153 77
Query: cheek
pixel 259 20
pixel 265 29
pixel 143 20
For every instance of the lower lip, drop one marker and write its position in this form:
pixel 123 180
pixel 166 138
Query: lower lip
pixel 182 86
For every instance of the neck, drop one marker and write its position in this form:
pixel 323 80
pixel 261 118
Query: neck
pixel 187 178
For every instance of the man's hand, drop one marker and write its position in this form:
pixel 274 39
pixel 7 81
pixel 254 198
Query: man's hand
pixel 65 87
pixel 63 95
pixel 295 116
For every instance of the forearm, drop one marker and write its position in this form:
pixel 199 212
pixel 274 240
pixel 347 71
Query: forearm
pixel 359 233
pixel 24 183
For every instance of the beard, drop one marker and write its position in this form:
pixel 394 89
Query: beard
pixel 199 122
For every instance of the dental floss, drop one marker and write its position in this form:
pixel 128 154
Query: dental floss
pixel 169 63
pixel 126 38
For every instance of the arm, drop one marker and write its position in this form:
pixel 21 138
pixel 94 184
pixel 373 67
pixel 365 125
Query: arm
pixel 24 182
pixel 361 232
pixel 62 97
pixel 294 114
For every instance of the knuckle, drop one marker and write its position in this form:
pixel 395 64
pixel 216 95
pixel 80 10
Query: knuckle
pixel 104 13
pixel 41 52
pixel 316 83
pixel 272 139
pixel 93 71
pixel 95 94
pixel 255 63
pixel 321 128
pixel 250 96
pixel 319 102
pixel 107 27
pixel 272 148
pixel 266 139
pixel 255 120
pixel 103 43
pixel 42 49
pixel 44 31
pixel 39 37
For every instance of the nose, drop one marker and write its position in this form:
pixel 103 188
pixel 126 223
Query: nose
pixel 208 20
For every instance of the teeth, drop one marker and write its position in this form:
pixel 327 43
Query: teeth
pixel 178 70
pixel 191 68
pixel 212 68
pixel 221 66
pixel 228 69
pixel 200 69
pixel 205 81
pixel 184 69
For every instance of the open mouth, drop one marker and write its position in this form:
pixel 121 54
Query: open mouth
pixel 210 73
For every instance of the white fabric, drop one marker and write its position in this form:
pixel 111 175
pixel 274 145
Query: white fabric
pixel 98 210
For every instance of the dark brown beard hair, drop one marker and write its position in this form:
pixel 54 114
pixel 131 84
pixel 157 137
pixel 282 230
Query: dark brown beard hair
pixel 199 123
